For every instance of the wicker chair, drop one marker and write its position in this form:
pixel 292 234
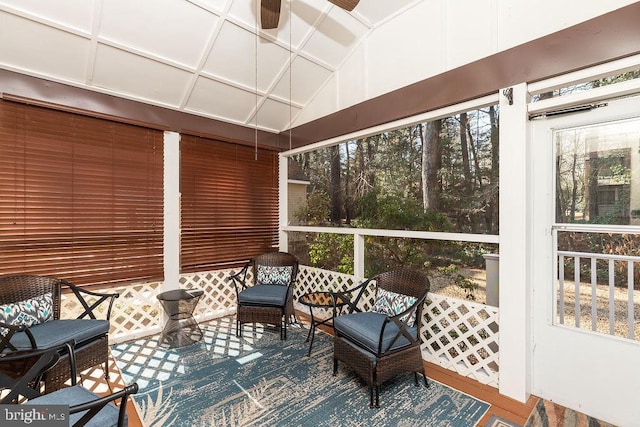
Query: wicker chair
pixel 384 342
pixel 85 407
pixel 264 290
pixel 89 333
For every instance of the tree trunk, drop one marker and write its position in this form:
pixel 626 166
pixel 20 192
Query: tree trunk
pixel 560 205
pixel 336 199
pixel 431 163
pixel 464 145
pixel 348 197
pixel 592 186
pixel 574 184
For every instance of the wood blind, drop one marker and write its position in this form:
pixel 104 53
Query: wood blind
pixel 80 198
pixel 229 203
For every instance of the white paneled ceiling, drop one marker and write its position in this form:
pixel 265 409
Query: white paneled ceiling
pixel 196 56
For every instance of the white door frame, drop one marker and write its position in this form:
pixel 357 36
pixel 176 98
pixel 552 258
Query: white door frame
pixel 592 373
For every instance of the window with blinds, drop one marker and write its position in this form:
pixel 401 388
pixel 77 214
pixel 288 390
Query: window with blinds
pixel 229 203
pixel 81 198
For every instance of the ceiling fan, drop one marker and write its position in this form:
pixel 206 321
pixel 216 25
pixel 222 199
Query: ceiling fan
pixel 270 11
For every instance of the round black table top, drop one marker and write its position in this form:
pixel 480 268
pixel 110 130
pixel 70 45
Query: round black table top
pixel 323 299
pixel 180 294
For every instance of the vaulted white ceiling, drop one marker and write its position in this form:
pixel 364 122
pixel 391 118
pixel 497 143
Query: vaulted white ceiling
pixel 203 56
pixel 196 56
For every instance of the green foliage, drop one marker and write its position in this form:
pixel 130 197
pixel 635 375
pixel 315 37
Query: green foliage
pixel 380 186
pixel 316 211
pixel 394 212
pixel 332 252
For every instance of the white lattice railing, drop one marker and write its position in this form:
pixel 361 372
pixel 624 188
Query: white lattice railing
pixel 137 312
pixel 462 336
pixel 458 335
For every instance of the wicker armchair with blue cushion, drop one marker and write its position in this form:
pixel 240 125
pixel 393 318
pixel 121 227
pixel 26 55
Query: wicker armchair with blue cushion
pixel 85 407
pixel 30 320
pixel 264 290
pixel 383 342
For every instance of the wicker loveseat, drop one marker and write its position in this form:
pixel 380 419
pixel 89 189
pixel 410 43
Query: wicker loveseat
pixel 30 319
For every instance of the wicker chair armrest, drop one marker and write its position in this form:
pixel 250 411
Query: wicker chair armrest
pixel 42 360
pixel 89 309
pixel 239 279
pixel 5 337
pixel 95 406
pixel 348 295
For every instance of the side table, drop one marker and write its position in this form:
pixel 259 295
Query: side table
pixel 181 328
pixel 322 300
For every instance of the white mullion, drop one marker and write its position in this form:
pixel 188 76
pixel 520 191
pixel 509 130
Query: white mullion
pixel 576 290
pixel 630 311
pixel 407 234
pixel 594 289
pixel 612 308
pixel 561 290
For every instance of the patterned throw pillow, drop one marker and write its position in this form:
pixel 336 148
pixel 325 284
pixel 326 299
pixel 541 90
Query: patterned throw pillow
pixel 29 312
pixel 274 275
pixel 391 303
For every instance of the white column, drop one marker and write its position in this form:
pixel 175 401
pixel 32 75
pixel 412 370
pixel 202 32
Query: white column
pixel 171 210
pixel 358 257
pixel 514 275
pixel 283 205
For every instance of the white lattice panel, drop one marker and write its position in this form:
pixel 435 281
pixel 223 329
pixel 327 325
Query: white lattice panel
pixel 458 335
pixel 135 313
pixel 312 279
pixel 462 336
pixel 219 298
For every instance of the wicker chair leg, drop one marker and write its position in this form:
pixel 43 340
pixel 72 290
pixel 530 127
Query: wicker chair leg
pixel 106 370
pixel 371 397
pixel 374 394
pixel 426 383
pixel 335 366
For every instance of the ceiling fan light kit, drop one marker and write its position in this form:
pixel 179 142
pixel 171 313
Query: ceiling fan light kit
pixel 270 11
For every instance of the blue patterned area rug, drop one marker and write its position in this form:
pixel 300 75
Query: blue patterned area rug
pixel 259 380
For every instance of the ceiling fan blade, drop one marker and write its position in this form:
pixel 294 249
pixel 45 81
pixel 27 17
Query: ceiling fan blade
pixel 345 4
pixel 269 14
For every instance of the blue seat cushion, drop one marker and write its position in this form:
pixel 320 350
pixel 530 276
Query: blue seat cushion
pixel 269 295
pixel 106 417
pixel 57 332
pixel 364 329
